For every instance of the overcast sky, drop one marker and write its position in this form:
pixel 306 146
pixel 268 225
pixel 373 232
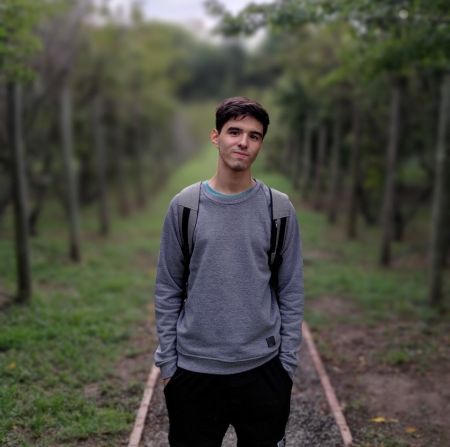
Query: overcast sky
pixel 182 11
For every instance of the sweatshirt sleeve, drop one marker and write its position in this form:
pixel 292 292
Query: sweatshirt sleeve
pixel 291 295
pixel 169 292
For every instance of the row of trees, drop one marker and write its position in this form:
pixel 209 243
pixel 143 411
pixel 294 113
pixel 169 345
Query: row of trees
pixel 365 105
pixel 91 106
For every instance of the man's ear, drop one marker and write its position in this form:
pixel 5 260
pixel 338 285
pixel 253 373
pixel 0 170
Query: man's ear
pixel 214 137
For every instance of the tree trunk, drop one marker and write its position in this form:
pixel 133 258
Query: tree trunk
pixel 335 174
pixel 291 164
pixel 355 174
pixel 100 158
pixel 72 205
pixel 306 159
pixel 297 162
pixel 398 221
pixel 441 201
pixel 19 189
pixel 364 206
pixel 286 159
pixel 40 188
pixel 138 169
pixel 320 168
pixel 387 213
pixel 121 183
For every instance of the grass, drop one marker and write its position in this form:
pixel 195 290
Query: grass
pixel 80 323
pixel 76 327
pixel 82 319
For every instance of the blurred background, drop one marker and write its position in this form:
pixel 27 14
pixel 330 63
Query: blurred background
pixel 106 96
pixel 105 110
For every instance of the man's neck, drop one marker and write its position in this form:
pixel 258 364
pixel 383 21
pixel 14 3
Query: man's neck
pixel 233 184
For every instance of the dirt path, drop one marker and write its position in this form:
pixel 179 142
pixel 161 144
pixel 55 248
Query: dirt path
pixel 310 423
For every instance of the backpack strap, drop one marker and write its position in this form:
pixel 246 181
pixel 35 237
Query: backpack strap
pixel 279 212
pixel 188 203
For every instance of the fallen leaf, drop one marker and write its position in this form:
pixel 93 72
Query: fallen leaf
pixel 12 365
pixel 378 419
pixel 381 419
pixel 410 429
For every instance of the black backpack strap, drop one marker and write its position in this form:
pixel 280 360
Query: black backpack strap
pixel 279 212
pixel 188 201
pixel 188 204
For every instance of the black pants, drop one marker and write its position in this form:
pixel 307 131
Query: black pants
pixel 202 406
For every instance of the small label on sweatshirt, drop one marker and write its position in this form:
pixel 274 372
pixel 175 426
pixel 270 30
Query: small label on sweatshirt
pixel 270 341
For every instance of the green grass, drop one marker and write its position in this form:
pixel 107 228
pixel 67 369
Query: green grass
pixel 71 335
pixel 79 324
pixel 397 357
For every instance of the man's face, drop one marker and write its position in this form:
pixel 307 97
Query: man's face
pixel 239 143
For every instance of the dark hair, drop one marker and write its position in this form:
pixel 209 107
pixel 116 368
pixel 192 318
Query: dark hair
pixel 239 106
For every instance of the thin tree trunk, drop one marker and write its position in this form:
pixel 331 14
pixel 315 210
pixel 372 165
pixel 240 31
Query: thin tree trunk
pixel 121 184
pixel 72 206
pixel 364 206
pixel 100 158
pixel 286 161
pixel 335 174
pixel 398 220
pixel 291 162
pixel 441 200
pixel 19 189
pixel 40 191
pixel 138 171
pixel 320 168
pixel 355 174
pixel 297 161
pixel 306 161
pixel 387 214
pixel 5 198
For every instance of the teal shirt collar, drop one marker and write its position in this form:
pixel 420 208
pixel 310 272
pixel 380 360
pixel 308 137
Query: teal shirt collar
pixel 228 196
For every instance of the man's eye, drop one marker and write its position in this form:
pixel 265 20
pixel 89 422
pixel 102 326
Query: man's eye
pixel 254 137
pixel 233 132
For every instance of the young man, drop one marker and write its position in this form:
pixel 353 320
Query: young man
pixel 229 341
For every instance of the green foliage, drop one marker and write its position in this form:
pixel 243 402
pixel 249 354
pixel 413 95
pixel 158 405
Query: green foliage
pixel 390 36
pixel 400 36
pixel 17 43
pixel 207 64
pixel 293 101
pixel 19 20
pixel 396 357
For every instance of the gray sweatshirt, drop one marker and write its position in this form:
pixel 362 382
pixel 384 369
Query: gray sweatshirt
pixel 230 320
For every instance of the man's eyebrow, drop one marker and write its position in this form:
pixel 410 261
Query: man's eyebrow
pixel 252 131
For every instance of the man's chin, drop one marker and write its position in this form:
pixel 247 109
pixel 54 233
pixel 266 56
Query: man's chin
pixel 239 167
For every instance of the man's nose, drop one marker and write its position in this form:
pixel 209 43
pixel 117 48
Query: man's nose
pixel 244 141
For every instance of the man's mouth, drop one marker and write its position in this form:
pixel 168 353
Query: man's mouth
pixel 241 155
